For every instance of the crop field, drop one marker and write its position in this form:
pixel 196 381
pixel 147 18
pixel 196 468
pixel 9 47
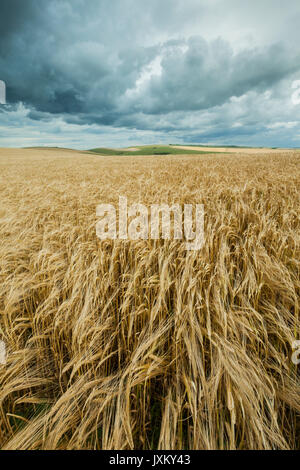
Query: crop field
pixel 124 344
pixel 151 150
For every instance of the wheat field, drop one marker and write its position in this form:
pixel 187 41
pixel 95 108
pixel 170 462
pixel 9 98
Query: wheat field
pixel 141 344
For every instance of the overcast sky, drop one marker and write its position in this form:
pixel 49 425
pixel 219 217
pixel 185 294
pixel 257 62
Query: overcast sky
pixel 93 73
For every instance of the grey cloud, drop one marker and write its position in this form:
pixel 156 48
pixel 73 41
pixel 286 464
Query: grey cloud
pixel 208 74
pixel 82 62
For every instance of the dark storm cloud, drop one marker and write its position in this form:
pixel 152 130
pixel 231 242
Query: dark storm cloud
pixel 208 74
pixel 51 62
pixel 147 66
pixel 14 15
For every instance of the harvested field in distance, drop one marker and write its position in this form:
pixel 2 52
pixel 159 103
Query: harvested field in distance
pixel 149 150
pixel 248 150
pixel 141 344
